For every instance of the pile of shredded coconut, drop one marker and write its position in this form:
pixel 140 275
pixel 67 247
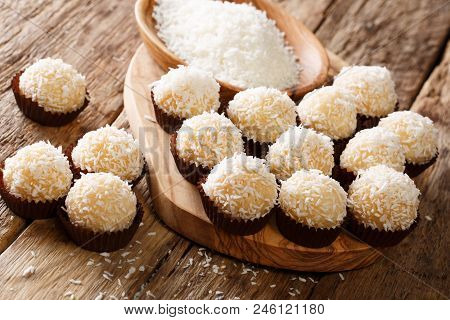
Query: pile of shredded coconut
pixel 236 42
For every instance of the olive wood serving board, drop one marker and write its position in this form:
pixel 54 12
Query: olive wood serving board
pixel 178 203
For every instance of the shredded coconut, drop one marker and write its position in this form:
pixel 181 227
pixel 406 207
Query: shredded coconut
pixel 207 139
pixel 235 42
pixel 329 110
pixel 109 149
pixel 242 186
pixel 186 91
pixel 262 114
pixel 313 199
pixel 38 172
pixel 300 148
pixel 384 199
pixel 372 87
pixel 101 202
pixel 28 272
pixel 371 147
pixel 417 135
pixel 56 86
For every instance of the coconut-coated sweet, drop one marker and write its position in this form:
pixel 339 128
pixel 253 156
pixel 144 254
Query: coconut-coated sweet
pixel 384 199
pixel 262 114
pixel 417 135
pixel 329 110
pixel 109 149
pixel 300 148
pixel 242 186
pixel 371 147
pixel 185 92
pixel 38 172
pixel 313 199
pixel 372 87
pixel 101 202
pixel 208 138
pixel 56 86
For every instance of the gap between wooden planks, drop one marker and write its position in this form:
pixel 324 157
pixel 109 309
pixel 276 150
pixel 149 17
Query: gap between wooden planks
pixel 351 28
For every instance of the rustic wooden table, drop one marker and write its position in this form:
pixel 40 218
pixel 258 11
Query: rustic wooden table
pixel 99 38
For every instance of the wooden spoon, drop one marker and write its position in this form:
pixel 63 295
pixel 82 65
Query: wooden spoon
pixel 311 54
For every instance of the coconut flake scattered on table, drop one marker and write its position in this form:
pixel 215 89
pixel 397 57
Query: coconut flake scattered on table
pixel 237 43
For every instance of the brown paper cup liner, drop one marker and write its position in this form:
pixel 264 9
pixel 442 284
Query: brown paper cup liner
pixel 230 224
pixel 304 235
pixel 339 147
pixel 344 177
pixel 374 237
pixel 100 241
pixel 169 123
pixel 36 113
pixel 28 209
pixel 255 148
pixel 76 171
pixel 190 171
pixel 367 122
pixel 413 170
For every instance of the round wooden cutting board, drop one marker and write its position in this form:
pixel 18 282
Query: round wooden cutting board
pixel 178 203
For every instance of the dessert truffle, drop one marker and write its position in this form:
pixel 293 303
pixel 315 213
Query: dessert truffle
pixel 101 212
pixel 202 142
pixel 183 93
pixel 239 194
pixel 262 114
pixel 300 148
pixel 329 110
pixel 108 149
pixel 50 92
pixel 383 204
pixel 35 179
pixel 373 89
pixel 371 147
pixel 417 135
pixel 312 208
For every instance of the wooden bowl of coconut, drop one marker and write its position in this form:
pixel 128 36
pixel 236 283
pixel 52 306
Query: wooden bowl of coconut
pixel 269 48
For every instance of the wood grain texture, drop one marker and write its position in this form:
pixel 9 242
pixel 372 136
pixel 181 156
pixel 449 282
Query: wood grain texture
pixel 405 36
pixel 311 54
pixel 178 202
pixel 98 38
pixel 20 42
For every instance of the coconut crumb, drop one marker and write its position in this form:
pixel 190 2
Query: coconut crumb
pixel 130 272
pixel 75 282
pixel 341 276
pixel 100 296
pixel 28 272
pixel 428 218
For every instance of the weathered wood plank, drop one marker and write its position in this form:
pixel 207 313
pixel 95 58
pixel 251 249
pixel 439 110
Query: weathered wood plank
pixel 406 36
pixel 418 267
pixel 98 38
